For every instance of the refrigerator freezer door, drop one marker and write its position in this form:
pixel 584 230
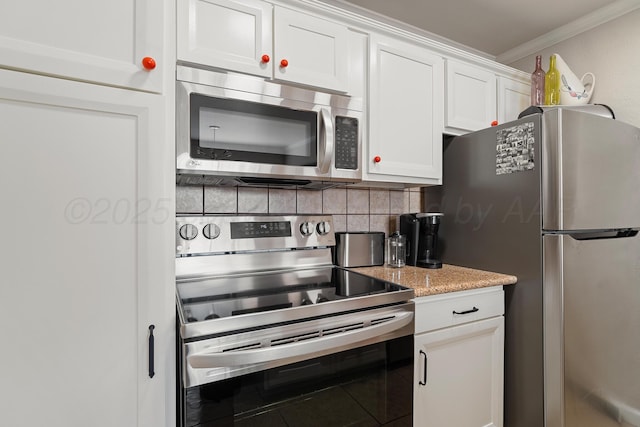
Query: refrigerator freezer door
pixel 592 324
pixel 591 172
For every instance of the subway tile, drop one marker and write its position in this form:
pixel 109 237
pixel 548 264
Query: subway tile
pixel 282 201
pixel 221 200
pixel 189 199
pixel 357 223
pixel 339 223
pixel 354 209
pixel 379 202
pixel 357 201
pixel 309 201
pixel 398 201
pixel 380 223
pixel 253 200
pixel 334 201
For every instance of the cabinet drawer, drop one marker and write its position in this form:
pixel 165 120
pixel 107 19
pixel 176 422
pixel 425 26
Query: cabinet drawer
pixel 441 311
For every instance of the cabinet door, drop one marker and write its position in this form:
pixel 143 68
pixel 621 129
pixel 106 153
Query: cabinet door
pixel 102 42
pixel 470 98
pixel 87 189
pixel 514 96
pixel 406 98
pixel 315 50
pixel 229 34
pixel 459 375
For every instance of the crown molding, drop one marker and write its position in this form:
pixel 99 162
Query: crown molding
pixel 364 20
pixel 580 25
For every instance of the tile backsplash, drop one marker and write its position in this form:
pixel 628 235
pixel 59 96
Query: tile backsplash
pixel 353 209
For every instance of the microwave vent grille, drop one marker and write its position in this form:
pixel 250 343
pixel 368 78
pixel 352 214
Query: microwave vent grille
pixel 188 179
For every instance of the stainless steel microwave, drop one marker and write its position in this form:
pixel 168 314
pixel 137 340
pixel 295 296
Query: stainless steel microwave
pixel 235 129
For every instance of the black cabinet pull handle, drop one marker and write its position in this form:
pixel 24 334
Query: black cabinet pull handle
pixel 151 358
pixel 424 373
pixel 473 310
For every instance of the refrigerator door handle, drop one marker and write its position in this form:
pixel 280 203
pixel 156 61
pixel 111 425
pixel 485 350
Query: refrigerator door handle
pixel 612 234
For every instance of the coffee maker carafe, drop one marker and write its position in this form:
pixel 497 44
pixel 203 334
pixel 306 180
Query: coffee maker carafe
pixel 421 230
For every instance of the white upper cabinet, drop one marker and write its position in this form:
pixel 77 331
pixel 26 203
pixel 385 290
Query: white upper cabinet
pixel 234 35
pixel 514 96
pixel 99 42
pixel 238 35
pixel 309 50
pixel 478 97
pixel 471 97
pixel 405 113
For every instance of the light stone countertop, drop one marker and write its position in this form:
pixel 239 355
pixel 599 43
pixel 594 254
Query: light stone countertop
pixel 427 281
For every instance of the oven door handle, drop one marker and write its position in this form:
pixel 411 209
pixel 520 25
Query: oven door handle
pixel 318 346
pixel 326 140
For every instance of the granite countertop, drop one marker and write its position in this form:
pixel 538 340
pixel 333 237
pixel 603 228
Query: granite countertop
pixel 449 278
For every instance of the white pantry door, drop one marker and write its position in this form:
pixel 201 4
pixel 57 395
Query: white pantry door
pixel 86 262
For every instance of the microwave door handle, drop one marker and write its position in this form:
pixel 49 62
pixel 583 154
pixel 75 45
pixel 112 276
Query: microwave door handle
pixel 326 140
pixel 289 352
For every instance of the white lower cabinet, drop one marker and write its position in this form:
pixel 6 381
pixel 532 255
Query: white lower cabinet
pixel 88 189
pixel 459 359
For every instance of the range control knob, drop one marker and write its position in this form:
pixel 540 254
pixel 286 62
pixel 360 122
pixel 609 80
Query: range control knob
pixel 211 231
pixel 188 231
pixel 306 228
pixel 323 228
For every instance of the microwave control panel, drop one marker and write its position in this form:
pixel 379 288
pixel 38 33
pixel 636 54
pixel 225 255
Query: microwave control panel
pixel 346 143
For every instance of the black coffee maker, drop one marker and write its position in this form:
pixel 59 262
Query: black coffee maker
pixel 421 231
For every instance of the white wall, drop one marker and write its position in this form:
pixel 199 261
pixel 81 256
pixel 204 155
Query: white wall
pixel 611 52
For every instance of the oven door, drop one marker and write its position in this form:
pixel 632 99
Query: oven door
pixel 214 358
pixel 368 385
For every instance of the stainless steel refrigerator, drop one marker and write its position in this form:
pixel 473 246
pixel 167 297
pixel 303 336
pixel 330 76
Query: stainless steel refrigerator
pixel 554 199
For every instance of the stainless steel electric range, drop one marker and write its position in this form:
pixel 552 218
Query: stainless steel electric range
pixel 269 328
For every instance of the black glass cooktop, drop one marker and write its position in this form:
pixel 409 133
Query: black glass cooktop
pixel 220 297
